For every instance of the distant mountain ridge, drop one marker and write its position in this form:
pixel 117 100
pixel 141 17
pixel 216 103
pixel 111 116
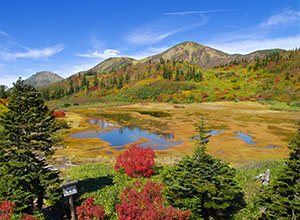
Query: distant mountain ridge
pixel 188 51
pixel 43 78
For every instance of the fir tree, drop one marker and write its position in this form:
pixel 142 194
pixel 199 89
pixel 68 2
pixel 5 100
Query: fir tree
pixel 127 78
pixel 71 90
pixel 96 81
pixel 25 143
pixel 203 184
pixel 102 84
pixel 281 199
pixel 83 82
pixel 3 92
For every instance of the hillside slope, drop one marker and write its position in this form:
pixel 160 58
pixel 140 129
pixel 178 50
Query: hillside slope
pixel 273 77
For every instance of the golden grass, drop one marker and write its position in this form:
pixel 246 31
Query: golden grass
pixel 268 127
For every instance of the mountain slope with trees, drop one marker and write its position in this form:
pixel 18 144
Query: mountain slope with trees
pixel 273 77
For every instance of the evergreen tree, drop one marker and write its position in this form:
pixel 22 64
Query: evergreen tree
pixel 71 90
pixel 3 92
pixel 83 82
pixel 120 82
pixel 25 143
pixel 77 88
pixel 127 78
pixel 203 184
pixel 281 199
pixel 96 81
pixel 46 94
pixel 177 77
pixel 102 84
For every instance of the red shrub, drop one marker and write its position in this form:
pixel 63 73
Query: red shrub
pixel 59 114
pixel 76 78
pixel 6 209
pixel 147 203
pixel 204 95
pixel 90 211
pixel 271 65
pixel 277 80
pixel 93 88
pixel 244 98
pixel 136 161
pixel 236 88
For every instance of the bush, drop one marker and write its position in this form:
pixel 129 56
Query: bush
pixel 6 212
pixel 147 203
pixel 59 114
pixel 136 161
pixel 294 103
pixel 62 124
pixel 66 105
pixel 6 209
pixel 90 211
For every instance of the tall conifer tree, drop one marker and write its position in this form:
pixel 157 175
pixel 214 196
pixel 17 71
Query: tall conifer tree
pixel 203 184
pixel 24 145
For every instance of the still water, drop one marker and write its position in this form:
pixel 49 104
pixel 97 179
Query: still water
pixel 120 136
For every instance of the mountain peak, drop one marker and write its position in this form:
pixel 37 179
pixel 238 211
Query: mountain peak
pixel 43 78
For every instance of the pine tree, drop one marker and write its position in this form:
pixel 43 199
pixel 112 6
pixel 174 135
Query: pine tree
pixel 25 143
pixel 3 92
pixel 203 184
pixel 281 199
pixel 71 90
pixel 83 82
pixel 96 81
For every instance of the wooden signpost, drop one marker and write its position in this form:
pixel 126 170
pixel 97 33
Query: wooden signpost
pixel 69 190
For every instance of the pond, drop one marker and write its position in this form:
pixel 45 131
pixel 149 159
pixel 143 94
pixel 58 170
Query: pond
pixel 120 136
pixel 211 132
pixel 244 137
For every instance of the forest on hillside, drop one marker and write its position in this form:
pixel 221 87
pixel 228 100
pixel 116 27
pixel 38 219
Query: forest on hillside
pixel 274 77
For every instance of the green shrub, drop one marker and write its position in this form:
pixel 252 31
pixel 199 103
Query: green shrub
pixel 66 105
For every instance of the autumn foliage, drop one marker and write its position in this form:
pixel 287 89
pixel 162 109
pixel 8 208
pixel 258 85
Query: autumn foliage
pixel 136 161
pixel 89 210
pixel 147 203
pixel 6 211
pixel 59 114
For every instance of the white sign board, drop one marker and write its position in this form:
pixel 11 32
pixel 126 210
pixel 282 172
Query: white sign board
pixel 70 188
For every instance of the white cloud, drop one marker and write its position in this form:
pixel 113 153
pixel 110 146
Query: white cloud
pixel 196 12
pixel 260 36
pixel 150 36
pixel 4 33
pixel 248 45
pixel 32 53
pixel 8 80
pixel 105 54
pixel 287 16
pixel 156 32
pixel 66 71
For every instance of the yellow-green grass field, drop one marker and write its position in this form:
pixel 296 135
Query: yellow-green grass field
pixel 268 127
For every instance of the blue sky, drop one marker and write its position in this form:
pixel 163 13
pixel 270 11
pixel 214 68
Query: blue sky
pixel 65 36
